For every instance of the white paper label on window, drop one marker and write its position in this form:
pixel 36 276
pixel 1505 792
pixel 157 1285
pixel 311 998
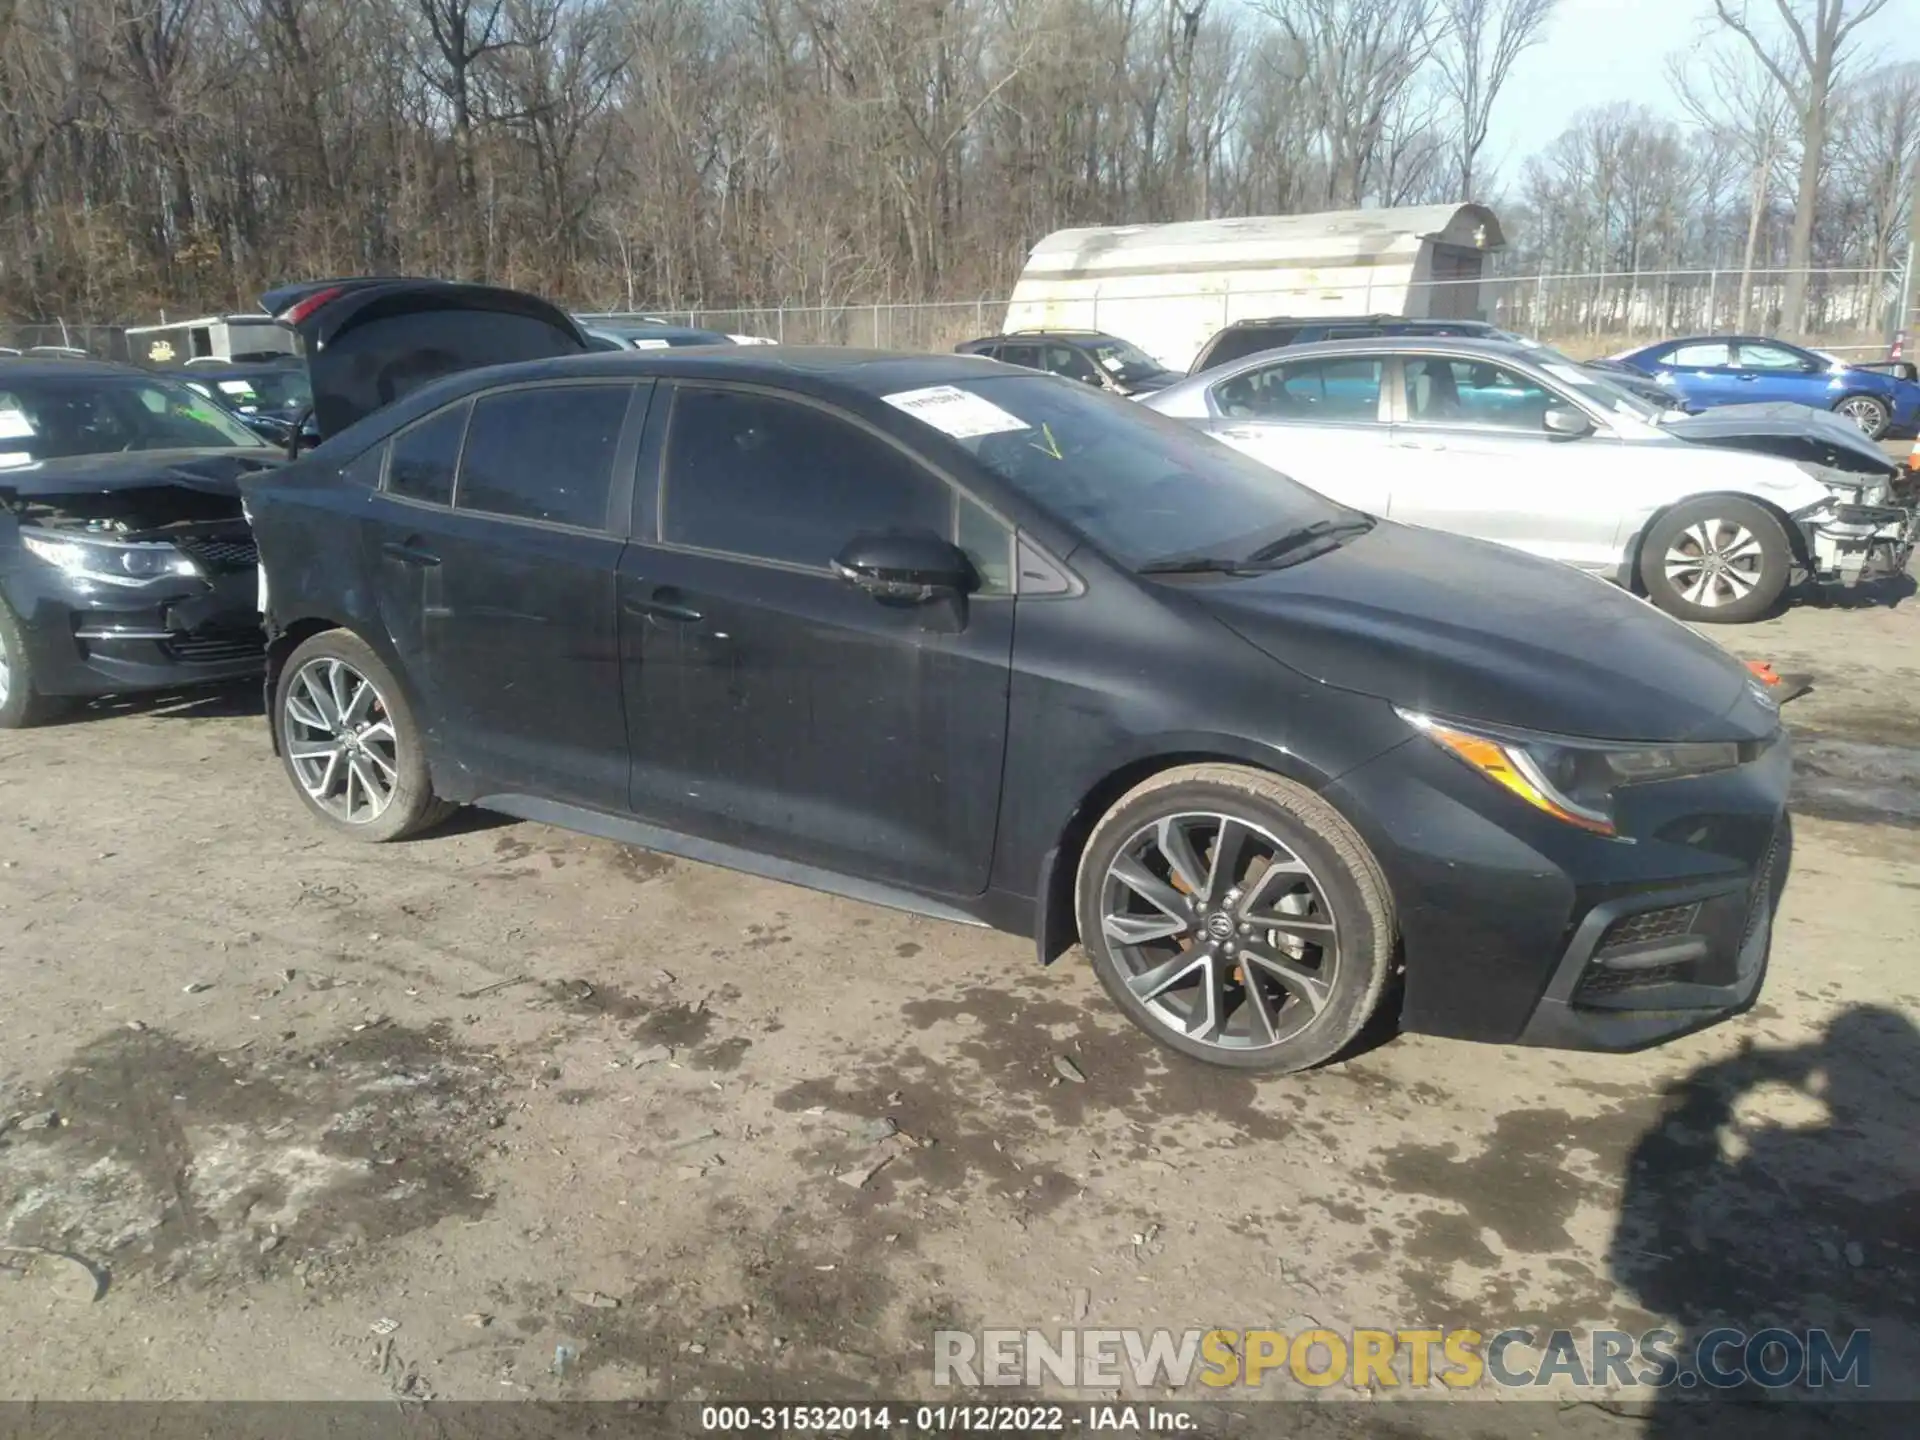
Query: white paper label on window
pixel 650 344
pixel 956 412
pixel 235 387
pixel 14 424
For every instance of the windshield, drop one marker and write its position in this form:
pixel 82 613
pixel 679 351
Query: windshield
pixel 285 392
pixel 1139 485
pixel 1595 386
pixel 1124 361
pixel 58 417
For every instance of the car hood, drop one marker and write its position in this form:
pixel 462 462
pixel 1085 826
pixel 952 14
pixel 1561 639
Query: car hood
pixel 1792 432
pixel 218 472
pixel 1475 631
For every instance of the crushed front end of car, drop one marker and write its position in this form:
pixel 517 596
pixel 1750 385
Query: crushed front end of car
pixel 1860 532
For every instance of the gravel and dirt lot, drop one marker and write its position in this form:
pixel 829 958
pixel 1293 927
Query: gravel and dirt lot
pixel 508 1112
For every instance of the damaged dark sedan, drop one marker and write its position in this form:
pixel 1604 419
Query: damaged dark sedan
pixel 938 633
pixel 125 561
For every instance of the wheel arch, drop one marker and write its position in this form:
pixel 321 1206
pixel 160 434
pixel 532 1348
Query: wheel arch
pixel 1056 925
pixel 1630 562
pixel 291 635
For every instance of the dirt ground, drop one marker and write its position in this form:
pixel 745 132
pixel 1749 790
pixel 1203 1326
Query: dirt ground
pixel 508 1112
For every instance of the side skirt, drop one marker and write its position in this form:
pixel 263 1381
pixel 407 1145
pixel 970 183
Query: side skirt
pixel 629 831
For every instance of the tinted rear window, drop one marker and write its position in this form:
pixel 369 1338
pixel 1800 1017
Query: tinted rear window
pixel 424 457
pixel 1236 344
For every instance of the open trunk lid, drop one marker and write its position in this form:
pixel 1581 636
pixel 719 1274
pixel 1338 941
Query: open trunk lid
pixel 371 340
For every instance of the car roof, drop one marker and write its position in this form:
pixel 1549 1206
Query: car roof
pixel 877 372
pixel 35 367
pixel 1046 335
pixel 1375 319
pixel 1398 344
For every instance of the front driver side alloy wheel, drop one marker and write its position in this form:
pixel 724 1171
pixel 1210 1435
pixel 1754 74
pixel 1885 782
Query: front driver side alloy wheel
pixel 349 742
pixel 1236 917
pixel 1716 559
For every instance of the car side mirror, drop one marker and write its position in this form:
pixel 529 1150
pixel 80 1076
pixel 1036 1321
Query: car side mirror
pixel 909 565
pixel 1563 422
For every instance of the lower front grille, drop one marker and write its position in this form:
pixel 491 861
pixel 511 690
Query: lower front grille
pixel 1760 897
pixel 1649 926
pixel 215 649
pixel 1601 981
pixel 237 553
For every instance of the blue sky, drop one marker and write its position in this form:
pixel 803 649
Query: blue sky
pixel 1597 51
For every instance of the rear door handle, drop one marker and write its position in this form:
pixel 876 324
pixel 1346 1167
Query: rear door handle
pixel 655 608
pixel 1419 444
pixel 409 553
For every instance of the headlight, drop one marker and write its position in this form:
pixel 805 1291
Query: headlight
pixel 1571 780
pixel 117 562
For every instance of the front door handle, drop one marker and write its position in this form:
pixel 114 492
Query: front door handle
pixel 410 552
pixel 1419 444
pixel 656 608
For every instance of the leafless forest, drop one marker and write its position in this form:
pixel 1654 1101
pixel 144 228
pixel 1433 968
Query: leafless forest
pixel 724 152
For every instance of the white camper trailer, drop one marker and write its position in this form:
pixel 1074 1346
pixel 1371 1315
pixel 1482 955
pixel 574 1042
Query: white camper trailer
pixel 211 338
pixel 1171 288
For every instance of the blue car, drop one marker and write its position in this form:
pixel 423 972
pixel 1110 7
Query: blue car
pixel 1709 370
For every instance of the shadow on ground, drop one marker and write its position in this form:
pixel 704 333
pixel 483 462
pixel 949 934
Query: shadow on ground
pixel 1781 1188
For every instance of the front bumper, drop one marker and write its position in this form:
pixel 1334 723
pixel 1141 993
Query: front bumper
pixel 1851 543
pixel 88 639
pixel 1518 929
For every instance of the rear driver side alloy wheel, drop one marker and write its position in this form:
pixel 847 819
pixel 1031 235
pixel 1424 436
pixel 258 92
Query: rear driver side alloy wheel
pixel 1236 917
pixel 349 742
pixel 1869 412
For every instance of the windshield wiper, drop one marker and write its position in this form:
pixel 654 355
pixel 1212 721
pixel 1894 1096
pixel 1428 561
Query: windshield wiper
pixel 1264 558
pixel 1306 535
pixel 1197 565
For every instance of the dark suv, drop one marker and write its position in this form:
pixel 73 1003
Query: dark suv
pixel 1089 356
pixel 1250 337
pixel 943 634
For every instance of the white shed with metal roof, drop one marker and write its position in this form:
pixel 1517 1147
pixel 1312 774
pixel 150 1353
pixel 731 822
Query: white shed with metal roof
pixel 1171 288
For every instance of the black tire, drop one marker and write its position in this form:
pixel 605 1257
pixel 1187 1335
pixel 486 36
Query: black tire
pixel 23 705
pixel 1346 891
pixel 411 805
pixel 1872 414
pixel 1743 538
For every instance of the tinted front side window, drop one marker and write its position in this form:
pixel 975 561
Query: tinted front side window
pixel 776 480
pixel 424 457
pixel 1067 361
pixel 544 454
pixel 1306 390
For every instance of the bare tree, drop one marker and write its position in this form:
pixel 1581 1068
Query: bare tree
pixel 1735 95
pixel 1354 57
pixel 1483 40
pixel 1806 63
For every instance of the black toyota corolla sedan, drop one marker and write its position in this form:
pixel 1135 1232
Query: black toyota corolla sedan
pixel 988 645
pixel 125 563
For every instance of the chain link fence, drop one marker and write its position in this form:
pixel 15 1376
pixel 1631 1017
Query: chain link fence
pixel 1586 314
